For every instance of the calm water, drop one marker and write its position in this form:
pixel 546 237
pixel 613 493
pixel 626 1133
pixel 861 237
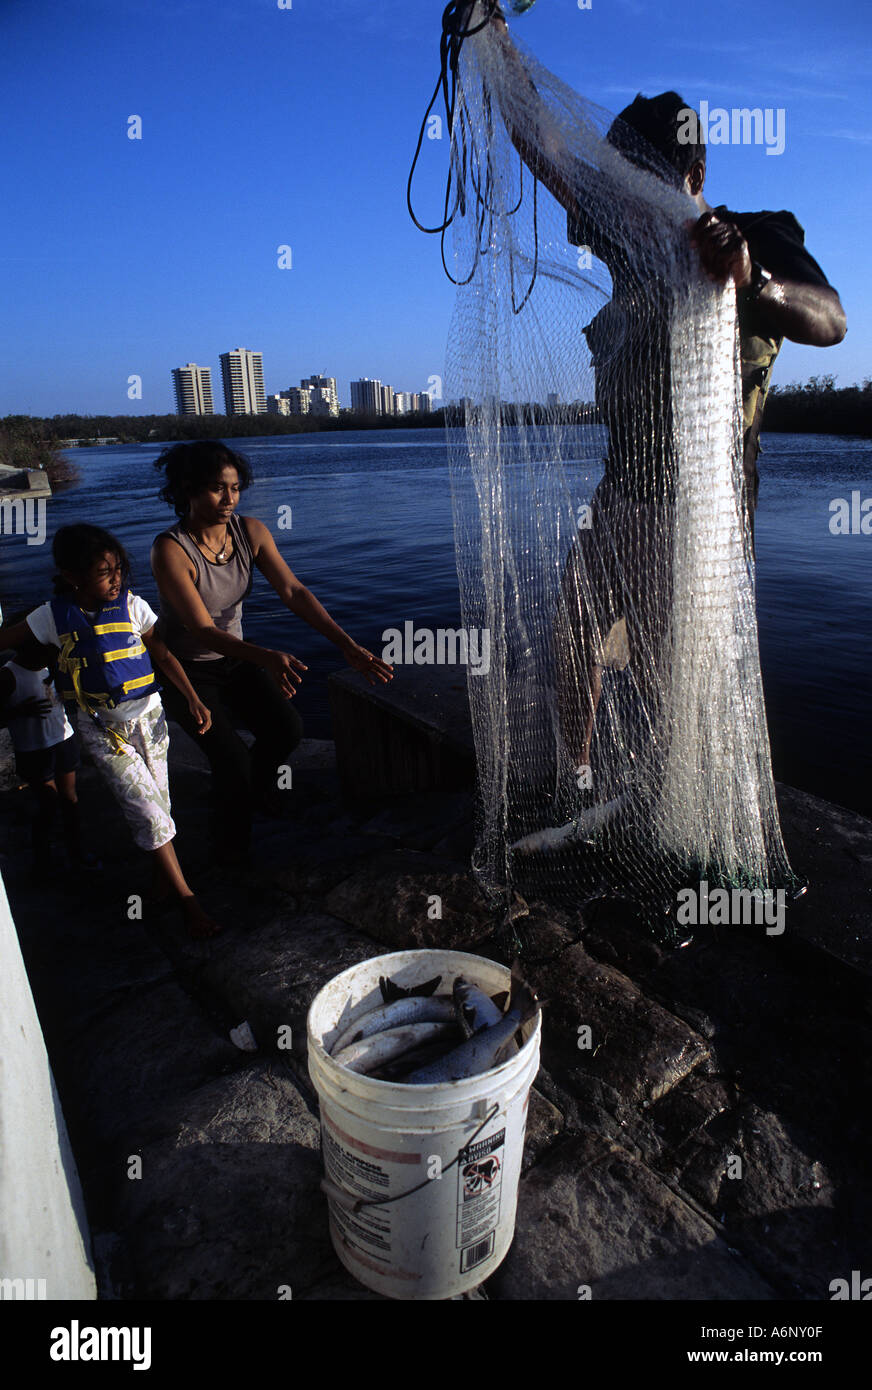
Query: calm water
pixel 372 537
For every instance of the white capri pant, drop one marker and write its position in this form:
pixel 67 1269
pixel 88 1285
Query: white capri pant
pixel 138 776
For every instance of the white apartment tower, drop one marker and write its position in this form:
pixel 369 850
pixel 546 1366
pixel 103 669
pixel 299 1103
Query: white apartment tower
pixel 367 396
pixel 323 389
pixel 193 386
pixel 242 376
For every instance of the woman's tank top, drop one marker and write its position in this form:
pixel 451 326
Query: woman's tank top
pixel 221 587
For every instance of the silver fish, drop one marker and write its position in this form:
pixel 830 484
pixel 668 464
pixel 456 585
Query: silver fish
pixel 585 825
pixel 438 1009
pixel 474 1009
pixel 391 991
pixel 483 1050
pixel 372 1052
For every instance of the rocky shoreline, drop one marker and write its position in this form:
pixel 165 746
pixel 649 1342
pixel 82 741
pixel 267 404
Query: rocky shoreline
pixel 200 1163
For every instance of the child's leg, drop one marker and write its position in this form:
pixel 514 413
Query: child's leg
pixel 139 780
pixel 36 768
pixel 167 867
pixel 40 829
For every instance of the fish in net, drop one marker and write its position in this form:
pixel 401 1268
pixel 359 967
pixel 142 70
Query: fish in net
pixel 602 537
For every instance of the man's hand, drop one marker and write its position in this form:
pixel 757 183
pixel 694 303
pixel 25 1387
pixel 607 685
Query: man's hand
pixel 723 251
pixel 32 707
pixel 474 14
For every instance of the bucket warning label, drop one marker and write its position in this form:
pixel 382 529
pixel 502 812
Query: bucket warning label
pixel 479 1185
pixel 370 1228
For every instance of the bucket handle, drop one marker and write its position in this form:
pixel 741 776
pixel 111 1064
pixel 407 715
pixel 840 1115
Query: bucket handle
pixel 354 1204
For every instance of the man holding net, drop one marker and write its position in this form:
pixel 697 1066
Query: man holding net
pixel 615 583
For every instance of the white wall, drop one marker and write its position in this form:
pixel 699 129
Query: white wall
pixel 43 1228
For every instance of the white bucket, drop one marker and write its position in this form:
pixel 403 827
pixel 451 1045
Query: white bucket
pixel 381 1139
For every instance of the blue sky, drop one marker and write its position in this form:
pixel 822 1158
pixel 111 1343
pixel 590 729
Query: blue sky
pixel 264 126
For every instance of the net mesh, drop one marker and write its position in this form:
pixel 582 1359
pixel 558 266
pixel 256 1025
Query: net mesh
pixel 595 444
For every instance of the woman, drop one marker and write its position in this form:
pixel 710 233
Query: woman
pixel 203 567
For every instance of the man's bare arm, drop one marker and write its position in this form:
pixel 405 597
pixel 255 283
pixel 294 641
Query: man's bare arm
pixel 810 314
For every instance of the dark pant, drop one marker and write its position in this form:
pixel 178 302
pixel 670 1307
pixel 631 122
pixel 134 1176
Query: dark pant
pixel 235 692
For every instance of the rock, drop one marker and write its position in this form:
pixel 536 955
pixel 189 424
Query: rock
pixel 633 1044
pixel 9 778
pixel 228 1206
pixel 616 935
pixel 545 932
pixel 832 848
pixel 544 1124
pixel 391 900
pixel 121 1071
pixel 271 975
pixel 314 863
pixel 422 819
pixel 679 1117
pixel 314 755
pixel 592 1216
pixel 343 1288
pixel 774 1196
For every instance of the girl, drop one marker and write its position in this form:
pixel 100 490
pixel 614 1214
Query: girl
pixel 106 637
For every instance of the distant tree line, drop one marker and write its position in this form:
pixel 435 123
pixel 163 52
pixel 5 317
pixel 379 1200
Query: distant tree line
pixel 131 429
pixel 820 407
pixel 817 407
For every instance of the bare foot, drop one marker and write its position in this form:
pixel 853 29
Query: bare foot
pixel 200 924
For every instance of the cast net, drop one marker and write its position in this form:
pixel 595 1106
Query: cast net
pixel 601 538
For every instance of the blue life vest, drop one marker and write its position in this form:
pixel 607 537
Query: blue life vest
pixel 102 661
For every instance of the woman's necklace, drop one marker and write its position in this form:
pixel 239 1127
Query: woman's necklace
pixel 219 554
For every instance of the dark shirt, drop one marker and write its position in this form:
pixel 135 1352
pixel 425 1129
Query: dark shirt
pixel 777 241
pixel 629 344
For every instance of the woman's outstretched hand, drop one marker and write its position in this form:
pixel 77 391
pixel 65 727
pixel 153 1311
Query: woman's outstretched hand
pixel 283 667
pixel 370 666
pixel 202 716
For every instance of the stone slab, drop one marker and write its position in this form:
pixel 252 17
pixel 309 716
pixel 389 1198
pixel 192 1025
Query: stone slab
pixel 270 976
pixel 592 1217
pixel 389 900
pixel 635 1046
pixel 832 848
pixel 228 1206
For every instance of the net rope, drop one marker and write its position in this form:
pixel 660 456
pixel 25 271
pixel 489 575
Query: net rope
pixel 595 447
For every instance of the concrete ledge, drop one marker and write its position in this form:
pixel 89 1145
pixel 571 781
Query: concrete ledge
pixel 412 735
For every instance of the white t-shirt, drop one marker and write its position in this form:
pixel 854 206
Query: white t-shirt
pixel 142 618
pixel 32 731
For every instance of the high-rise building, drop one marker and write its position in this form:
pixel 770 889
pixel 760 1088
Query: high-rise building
pixel 193 386
pixel 387 400
pixel 242 376
pixel 321 401
pixel 367 397
pixel 299 400
pixel 278 405
pixel 324 384
pixel 412 403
